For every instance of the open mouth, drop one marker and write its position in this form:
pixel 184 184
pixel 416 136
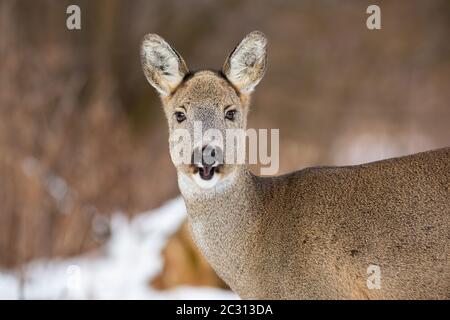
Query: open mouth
pixel 207 172
pixel 207 162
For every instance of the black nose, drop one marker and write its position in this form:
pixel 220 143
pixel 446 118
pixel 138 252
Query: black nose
pixel 207 156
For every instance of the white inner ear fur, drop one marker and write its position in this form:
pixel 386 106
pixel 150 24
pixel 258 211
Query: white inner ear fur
pixel 247 63
pixel 162 66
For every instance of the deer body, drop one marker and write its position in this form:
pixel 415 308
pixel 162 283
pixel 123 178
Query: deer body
pixel 311 234
pixel 331 225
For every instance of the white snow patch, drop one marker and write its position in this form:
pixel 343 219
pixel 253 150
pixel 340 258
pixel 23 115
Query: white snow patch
pixel 122 270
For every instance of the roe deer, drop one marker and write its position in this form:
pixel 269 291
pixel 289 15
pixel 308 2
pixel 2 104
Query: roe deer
pixel 310 234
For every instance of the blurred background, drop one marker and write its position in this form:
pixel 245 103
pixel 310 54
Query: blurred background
pixel 84 161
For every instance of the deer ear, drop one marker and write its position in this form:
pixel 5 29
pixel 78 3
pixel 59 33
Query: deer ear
pixel 163 66
pixel 246 64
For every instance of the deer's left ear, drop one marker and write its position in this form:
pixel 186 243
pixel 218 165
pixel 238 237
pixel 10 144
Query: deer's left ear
pixel 246 64
pixel 163 66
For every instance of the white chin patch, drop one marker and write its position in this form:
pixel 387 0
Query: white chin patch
pixel 206 184
pixel 194 186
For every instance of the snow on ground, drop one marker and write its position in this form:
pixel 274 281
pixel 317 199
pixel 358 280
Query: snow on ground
pixel 122 270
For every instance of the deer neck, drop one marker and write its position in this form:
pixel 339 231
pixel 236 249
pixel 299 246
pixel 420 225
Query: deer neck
pixel 225 224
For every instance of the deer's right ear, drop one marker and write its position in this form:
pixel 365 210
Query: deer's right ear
pixel 163 66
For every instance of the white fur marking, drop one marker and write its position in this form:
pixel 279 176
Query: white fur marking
pixel 190 187
pixel 206 184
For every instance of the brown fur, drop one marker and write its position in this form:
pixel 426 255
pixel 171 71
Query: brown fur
pixel 313 233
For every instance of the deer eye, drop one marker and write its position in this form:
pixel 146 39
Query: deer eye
pixel 230 115
pixel 180 116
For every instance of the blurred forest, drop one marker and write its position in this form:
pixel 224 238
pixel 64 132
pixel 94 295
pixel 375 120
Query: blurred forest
pixel 82 134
